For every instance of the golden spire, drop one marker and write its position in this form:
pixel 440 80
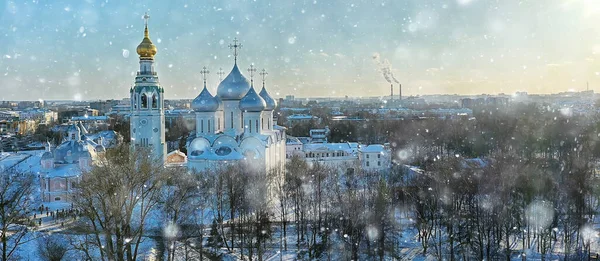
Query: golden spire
pixel 146 49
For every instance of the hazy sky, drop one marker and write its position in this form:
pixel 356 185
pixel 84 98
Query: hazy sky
pixel 55 49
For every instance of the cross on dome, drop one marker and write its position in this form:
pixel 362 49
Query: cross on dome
pixel 204 72
pixel 235 46
pixel 263 73
pixel 220 73
pixel 146 17
pixel 251 70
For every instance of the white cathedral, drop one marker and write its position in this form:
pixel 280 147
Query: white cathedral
pixel 234 125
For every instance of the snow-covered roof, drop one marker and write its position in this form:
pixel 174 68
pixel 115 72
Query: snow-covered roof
pixel 301 117
pixel 373 148
pixel 292 141
pixel 475 163
pixel 328 146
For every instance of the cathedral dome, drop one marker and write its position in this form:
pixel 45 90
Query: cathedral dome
pixel 146 49
pixel 271 103
pixel 234 86
pixel 205 102
pixel 252 102
pixel 47 155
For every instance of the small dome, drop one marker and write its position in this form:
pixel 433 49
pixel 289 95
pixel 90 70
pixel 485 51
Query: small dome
pixel 234 86
pixel 271 103
pixel 47 155
pixel 252 102
pixel 99 148
pixel 205 102
pixel 73 128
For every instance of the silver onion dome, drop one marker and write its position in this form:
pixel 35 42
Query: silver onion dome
pixel 252 102
pixel 234 86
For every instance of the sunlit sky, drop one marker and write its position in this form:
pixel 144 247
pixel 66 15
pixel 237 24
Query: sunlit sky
pixel 55 49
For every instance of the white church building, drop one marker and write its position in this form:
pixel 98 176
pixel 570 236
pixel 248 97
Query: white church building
pixel 234 125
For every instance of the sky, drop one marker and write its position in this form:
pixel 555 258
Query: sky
pixel 85 50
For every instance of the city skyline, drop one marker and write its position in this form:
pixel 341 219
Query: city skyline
pixel 86 51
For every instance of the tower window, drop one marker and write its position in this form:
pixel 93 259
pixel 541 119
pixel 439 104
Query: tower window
pixel 144 101
pixel 202 126
pixel 154 101
pixel 232 120
pixel 250 125
pixel 257 130
pixel 208 126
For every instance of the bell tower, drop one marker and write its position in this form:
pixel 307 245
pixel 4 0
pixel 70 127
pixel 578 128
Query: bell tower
pixel 147 121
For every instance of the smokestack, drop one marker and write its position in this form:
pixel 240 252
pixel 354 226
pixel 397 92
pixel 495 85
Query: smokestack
pixel 400 89
pixel 391 91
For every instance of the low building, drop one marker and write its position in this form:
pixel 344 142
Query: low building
pixel 302 118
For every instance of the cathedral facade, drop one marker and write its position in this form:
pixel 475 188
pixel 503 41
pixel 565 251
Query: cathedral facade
pixel 235 125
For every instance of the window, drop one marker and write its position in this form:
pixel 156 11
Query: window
pixel 257 129
pixel 367 156
pixel 379 156
pixel 154 101
pixel 232 120
pixel 144 101
pixel 208 126
pixel 202 126
pixel 367 163
pixel 379 163
pixel 250 125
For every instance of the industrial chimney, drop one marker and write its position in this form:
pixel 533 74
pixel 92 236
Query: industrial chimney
pixel 400 89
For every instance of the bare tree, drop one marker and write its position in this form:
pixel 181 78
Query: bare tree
pixel 115 197
pixel 15 202
pixel 52 247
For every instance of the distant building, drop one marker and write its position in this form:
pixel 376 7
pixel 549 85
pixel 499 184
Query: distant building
pixel 103 107
pixel 302 118
pixel 342 156
pixel 61 167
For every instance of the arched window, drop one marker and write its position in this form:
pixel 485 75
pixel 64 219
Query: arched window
pixel 144 101
pixel 135 101
pixel 154 101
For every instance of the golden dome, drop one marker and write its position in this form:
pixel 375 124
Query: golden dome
pixel 146 49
